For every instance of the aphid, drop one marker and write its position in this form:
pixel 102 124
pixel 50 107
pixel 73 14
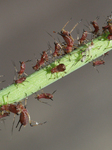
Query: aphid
pixel 97 63
pixel 88 50
pixel 59 68
pixel 83 38
pixel 67 35
pixel 45 95
pixel 109 19
pixel 25 117
pixel 109 28
pixel 20 80
pixel 58 47
pixel 10 108
pixel 68 38
pixel 41 62
pixel 95 25
pixel 22 67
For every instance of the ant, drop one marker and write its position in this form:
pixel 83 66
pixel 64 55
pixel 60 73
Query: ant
pixel 41 62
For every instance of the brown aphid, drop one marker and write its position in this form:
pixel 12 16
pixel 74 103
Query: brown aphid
pixel 59 68
pixel 20 80
pixel 98 62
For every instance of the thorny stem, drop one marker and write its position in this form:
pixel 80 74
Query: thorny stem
pixel 43 77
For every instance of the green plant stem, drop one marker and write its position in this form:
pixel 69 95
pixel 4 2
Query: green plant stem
pixel 43 77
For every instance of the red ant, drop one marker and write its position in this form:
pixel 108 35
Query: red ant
pixel 97 63
pixel 40 62
pixel 59 68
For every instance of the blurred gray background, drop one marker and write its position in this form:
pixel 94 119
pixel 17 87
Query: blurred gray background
pixel 80 117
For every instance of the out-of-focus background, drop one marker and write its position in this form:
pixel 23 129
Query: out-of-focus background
pixel 80 117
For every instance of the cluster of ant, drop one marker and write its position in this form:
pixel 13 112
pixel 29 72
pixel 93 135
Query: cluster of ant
pixel 60 49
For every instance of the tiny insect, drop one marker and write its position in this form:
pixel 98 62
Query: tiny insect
pixel 45 95
pixel 87 51
pixel 25 118
pixel 20 80
pixel 96 26
pixel 41 62
pixel 109 28
pixel 67 35
pixel 58 47
pixel 68 38
pixel 59 68
pixel 83 38
pixel 22 67
pixel 10 108
pixel 97 63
